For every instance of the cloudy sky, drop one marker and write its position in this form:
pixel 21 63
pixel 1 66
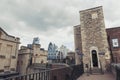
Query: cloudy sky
pixel 51 20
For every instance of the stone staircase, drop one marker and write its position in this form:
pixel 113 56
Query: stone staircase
pixel 96 70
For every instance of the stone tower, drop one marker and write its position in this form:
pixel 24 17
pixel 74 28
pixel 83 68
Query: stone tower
pixel 78 42
pixel 94 39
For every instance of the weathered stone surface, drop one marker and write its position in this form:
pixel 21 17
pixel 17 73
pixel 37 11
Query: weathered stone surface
pixel 93 37
pixel 8 51
pixel 27 57
pixel 78 42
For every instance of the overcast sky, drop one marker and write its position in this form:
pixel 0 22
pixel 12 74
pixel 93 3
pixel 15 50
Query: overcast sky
pixel 51 20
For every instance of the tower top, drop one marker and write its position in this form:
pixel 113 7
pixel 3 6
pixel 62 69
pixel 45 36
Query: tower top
pixel 99 7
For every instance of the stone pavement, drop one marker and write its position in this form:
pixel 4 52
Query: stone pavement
pixel 106 76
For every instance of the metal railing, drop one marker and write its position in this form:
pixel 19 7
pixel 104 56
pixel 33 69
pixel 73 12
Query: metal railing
pixel 65 73
pixel 115 68
pixel 43 75
pixel 117 72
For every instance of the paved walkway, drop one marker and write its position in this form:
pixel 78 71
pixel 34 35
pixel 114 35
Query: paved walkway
pixel 106 76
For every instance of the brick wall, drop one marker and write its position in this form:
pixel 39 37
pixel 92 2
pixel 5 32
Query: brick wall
pixel 114 33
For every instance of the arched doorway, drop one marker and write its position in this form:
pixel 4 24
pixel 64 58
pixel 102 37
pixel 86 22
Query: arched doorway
pixel 94 58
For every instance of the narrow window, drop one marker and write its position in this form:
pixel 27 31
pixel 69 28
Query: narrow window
pixel 12 69
pixel 9 51
pixel 1 70
pixel 21 62
pixel 94 15
pixel 6 68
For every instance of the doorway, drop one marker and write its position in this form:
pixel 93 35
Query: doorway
pixel 94 58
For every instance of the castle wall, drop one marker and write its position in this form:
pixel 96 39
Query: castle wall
pixel 114 34
pixel 93 37
pixel 8 52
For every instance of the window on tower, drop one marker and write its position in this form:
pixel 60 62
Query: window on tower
pixel 115 43
pixel 94 15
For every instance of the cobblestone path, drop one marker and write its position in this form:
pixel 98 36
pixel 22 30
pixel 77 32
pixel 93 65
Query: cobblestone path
pixel 106 76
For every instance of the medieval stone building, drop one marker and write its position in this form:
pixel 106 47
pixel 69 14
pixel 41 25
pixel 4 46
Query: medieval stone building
pixel 31 58
pixel 114 43
pixel 91 40
pixel 8 52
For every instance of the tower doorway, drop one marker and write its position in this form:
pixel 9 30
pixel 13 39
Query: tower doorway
pixel 94 58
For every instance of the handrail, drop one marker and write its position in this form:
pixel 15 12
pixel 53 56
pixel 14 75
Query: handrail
pixel 71 72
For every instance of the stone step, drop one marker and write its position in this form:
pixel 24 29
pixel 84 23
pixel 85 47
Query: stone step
pixel 96 71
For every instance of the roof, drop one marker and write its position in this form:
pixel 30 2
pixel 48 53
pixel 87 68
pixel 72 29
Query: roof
pixel 91 8
pixel 77 25
pixel 113 28
pixel 6 33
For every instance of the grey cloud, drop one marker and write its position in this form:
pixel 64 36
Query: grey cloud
pixel 42 19
pixel 46 17
pixel 42 14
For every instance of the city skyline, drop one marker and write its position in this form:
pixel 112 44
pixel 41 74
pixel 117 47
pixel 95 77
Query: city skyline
pixel 51 21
